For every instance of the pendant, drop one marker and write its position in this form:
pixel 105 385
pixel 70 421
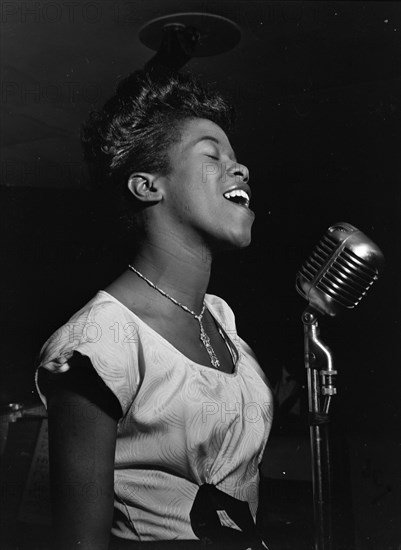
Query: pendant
pixel 206 342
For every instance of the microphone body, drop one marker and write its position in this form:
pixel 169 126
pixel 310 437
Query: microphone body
pixel 341 269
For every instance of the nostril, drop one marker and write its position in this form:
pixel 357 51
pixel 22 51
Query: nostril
pixel 242 175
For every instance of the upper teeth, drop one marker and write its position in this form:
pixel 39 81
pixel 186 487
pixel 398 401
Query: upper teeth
pixel 237 193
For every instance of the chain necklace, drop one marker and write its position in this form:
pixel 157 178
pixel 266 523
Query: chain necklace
pixel 202 334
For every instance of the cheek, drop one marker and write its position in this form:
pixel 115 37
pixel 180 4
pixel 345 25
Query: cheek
pixel 192 193
pixel 184 203
pixel 193 196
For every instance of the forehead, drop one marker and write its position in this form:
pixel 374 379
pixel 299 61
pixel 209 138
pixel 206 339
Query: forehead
pixel 197 130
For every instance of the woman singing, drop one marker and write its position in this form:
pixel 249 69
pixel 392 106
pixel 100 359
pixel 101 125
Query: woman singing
pixel 158 411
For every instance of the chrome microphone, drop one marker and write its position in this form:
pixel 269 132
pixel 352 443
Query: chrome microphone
pixel 341 269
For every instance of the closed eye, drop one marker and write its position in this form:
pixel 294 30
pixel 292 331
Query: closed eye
pixel 212 157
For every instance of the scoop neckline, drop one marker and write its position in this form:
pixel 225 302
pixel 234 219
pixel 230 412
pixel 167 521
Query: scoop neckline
pixel 170 345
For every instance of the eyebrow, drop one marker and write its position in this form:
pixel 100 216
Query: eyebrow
pixel 210 138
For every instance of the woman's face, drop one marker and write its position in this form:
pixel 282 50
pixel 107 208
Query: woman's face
pixel 207 190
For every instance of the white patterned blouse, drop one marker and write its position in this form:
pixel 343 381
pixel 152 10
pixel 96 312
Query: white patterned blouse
pixel 183 424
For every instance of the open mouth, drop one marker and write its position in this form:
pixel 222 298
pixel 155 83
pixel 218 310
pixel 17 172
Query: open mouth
pixel 238 196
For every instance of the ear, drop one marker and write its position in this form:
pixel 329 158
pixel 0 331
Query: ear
pixel 145 187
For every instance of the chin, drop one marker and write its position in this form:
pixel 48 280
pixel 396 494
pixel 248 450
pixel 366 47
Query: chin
pixel 241 237
pixel 243 243
pixel 235 237
pixel 234 242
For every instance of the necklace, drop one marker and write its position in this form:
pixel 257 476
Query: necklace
pixel 202 333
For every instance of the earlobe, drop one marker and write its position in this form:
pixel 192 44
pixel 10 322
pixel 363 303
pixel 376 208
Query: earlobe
pixel 144 188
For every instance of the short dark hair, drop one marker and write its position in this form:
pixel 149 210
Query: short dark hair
pixel 135 128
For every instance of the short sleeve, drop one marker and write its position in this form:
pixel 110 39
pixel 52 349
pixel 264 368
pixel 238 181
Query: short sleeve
pixel 96 332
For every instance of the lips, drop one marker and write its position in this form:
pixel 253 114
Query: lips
pixel 238 196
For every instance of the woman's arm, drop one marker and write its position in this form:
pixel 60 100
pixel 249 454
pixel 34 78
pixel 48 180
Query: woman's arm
pixel 83 416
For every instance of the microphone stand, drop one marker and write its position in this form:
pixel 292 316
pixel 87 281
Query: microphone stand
pixel 319 365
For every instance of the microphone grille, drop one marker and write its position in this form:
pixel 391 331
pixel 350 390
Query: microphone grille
pixel 340 270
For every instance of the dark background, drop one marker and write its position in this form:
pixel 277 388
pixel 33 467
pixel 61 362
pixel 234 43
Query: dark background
pixel 316 86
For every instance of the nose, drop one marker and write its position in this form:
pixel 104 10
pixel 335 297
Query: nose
pixel 239 171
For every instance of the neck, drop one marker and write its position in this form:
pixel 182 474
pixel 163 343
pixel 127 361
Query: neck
pixel 180 270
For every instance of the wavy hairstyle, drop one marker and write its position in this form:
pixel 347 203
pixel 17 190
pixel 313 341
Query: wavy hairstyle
pixel 135 128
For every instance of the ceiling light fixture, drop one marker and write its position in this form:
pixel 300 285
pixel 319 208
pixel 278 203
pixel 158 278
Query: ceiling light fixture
pixel 180 36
